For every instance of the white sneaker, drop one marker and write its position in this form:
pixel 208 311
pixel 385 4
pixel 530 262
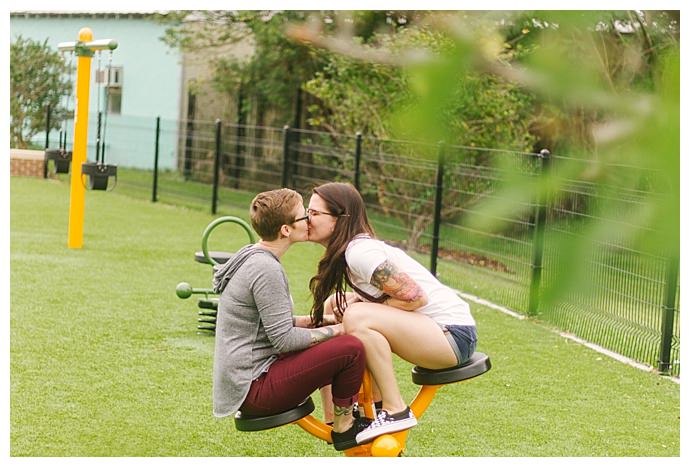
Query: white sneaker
pixel 387 423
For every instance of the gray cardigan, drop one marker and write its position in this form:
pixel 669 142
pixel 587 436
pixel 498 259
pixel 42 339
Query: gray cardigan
pixel 253 326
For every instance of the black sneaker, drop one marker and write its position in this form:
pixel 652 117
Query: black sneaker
pixel 387 423
pixel 347 439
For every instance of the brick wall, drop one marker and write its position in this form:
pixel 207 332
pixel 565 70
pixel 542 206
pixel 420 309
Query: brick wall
pixel 26 163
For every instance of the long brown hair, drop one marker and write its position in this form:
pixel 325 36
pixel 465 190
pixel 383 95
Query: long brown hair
pixel 344 201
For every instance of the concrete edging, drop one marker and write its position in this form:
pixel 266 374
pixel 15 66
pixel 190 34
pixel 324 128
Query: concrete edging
pixel 27 154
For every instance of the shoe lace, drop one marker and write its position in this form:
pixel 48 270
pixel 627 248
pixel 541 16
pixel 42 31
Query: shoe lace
pixel 380 419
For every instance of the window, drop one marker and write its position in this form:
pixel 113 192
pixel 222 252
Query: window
pixel 116 76
pixel 115 100
pixel 114 87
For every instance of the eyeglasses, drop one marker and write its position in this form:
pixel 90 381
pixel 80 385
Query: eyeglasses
pixel 314 212
pixel 305 218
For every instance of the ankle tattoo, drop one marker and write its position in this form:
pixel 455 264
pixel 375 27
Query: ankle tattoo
pixel 341 411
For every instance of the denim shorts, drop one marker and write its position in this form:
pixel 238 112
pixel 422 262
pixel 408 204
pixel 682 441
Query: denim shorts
pixel 463 340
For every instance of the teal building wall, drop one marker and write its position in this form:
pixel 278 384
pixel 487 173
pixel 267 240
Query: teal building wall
pixel 152 82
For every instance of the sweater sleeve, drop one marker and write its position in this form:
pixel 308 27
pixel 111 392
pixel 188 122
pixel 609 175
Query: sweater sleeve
pixel 272 298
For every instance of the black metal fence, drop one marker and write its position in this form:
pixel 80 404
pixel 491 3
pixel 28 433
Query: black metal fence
pixel 419 197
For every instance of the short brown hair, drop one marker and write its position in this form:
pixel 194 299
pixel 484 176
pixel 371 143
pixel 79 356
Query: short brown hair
pixel 271 210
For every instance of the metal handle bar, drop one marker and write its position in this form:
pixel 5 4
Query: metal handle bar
pixel 216 223
pixel 184 290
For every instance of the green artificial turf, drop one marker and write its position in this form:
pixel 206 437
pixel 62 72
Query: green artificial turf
pixel 105 360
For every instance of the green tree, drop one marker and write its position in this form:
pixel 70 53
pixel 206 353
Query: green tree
pixel 615 52
pixel 271 76
pixel 38 78
pixel 605 89
pixel 480 111
pixel 279 67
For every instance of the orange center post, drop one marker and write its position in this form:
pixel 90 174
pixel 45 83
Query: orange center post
pixel 383 446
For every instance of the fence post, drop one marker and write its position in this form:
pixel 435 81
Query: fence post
pixel 189 139
pixel 438 203
pixel 216 168
pixel 45 159
pixel 239 133
pixel 154 195
pixel 286 156
pixel 238 156
pixel 538 245
pixel 667 320
pixel 358 157
pixel 296 140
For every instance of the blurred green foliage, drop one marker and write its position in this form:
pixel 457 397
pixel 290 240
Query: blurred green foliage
pixel 610 81
pixel 599 89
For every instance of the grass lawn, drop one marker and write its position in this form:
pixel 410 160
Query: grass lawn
pixel 105 359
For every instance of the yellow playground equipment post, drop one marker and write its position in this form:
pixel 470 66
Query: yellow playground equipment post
pixel 84 48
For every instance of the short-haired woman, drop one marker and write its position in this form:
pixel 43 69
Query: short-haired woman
pixel 263 363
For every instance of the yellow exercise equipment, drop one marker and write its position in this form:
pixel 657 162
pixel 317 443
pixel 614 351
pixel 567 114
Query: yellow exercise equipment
pixel 388 445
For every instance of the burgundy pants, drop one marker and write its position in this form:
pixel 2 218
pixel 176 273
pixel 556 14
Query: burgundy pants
pixel 294 376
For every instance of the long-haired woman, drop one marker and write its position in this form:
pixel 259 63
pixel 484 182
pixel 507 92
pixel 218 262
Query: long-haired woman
pixel 397 306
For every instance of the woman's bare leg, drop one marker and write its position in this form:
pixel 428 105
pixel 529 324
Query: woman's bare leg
pixel 413 336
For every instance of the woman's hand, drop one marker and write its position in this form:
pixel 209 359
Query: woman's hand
pixel 329 320
pixel 331 310
pixel 301 321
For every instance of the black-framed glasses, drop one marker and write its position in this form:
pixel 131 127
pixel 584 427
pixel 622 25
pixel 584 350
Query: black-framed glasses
pixel 303 218
pixel 315 212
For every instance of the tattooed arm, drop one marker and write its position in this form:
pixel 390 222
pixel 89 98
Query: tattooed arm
pixel 305 321
pixel 324 333
pixel 404 292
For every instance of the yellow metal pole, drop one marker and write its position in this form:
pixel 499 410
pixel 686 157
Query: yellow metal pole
pixel 75 234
